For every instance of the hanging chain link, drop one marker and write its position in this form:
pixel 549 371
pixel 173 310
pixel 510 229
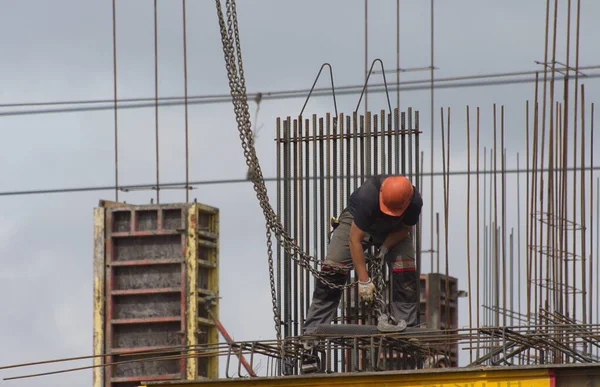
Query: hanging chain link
pixel 374 266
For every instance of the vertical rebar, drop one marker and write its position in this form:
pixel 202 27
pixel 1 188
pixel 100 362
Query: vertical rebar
pixel 551 240
pixel 294 221
pixel 382 145
pixel 355 135
pixel 280 188
pixel 477 269
pixel 468 234
pixel 397 60
pixel 527 216
pixel 512 276
pixel 304 302
pixel 431 119
pixel 342 157
pixel 418 242
pixel 591 290
pixel 591 299
pixel 583 217
pixel 503 219
pixel 308 205
pixel 366 147
pixel 185 104
pixel 322 228
pixel 397 154
pixel 563 242
pixel 286 218
pixel 403 139
pixel 597 238
pixel 156 99
pixel 495 257
pixel 519 266
pixel 390 151
pixel 366 54
pixel 334 168
pixel 350 160
pixel 315 187
pixel 353 132
pixel 375 143
pixel 540 242
pixel 437 233
pixel 485 236
pixel 114 36
pixel 446 167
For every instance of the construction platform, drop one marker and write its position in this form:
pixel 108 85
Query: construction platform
pixel 556 375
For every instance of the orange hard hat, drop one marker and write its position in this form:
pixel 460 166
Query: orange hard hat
pixel 395 195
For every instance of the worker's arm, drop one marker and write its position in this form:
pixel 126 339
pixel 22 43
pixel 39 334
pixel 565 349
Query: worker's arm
pixel 357 252
pixel 395 237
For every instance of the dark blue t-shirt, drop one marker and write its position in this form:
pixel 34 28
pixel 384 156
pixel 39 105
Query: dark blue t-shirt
pixel 364 206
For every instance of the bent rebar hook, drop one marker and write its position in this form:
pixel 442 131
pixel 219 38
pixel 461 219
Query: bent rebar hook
pixel 387 93
pixel 313 87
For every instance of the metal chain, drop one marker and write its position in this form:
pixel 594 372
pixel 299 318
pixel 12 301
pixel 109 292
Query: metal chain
pixel 235 74
pixel 374 267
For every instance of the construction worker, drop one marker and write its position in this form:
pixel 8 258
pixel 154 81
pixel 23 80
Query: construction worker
pixel 380 213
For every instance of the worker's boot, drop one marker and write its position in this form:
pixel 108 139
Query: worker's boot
pixel 309 362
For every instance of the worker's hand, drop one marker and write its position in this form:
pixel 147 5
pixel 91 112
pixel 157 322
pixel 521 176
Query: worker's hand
pixel 366 290
pixel 381 253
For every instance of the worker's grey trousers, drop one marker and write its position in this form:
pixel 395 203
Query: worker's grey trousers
pixel 401 262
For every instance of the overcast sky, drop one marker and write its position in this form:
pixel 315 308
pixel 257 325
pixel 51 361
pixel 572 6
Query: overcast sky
pixel 62 50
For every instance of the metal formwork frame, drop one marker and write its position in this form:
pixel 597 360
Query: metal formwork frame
pixel 195 227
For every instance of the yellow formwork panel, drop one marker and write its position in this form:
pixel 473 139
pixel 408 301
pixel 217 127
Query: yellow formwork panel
pixel 195 240
pixel 492 378
pixel 191 262
pixel 98 371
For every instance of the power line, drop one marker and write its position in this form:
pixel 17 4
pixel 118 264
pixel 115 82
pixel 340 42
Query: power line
pixel 181 185
pixel 137 103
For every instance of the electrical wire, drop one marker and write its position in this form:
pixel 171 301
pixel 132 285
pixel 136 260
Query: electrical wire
pixel 137 103
pixel 181 185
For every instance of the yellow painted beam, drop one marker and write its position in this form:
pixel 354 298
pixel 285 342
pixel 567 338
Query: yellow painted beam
pixel 99 274
pixel 191 269
pixel 213 283
pixel 475 378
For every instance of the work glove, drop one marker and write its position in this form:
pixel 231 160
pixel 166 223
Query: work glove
pixel 366 290
pixel 381 253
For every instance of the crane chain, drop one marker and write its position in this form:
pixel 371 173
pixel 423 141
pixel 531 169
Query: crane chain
pixel 237 86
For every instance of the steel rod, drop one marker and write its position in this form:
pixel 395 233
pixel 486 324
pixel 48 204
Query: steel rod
pixel 185 99
pixel 468 231
pixel 115 98
pixel 156 100
pixel 477 228
pixel 295 197
pixel 304 291
pixel 582 191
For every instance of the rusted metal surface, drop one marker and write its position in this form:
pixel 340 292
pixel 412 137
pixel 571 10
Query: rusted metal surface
pixel 438 313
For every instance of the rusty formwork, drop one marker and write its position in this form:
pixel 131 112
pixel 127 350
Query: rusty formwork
pixel 439 315
pixel 154 266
